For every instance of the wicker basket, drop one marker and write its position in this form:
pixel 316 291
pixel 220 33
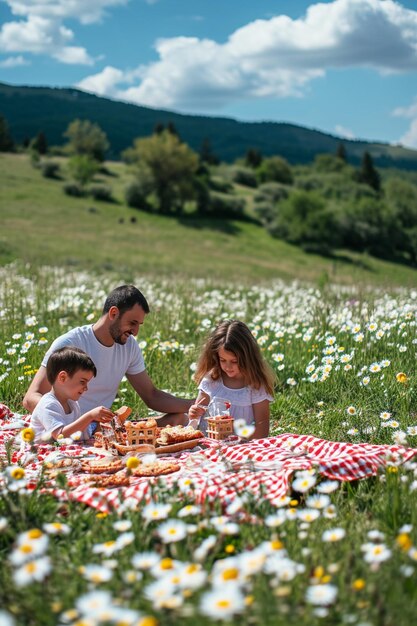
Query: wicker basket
pixel 219 428
pixel 139 433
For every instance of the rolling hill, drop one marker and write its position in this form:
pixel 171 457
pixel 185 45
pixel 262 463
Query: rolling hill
pixel 41 225
pixel 29 110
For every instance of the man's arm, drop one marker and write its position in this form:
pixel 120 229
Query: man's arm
pixel 37 388
pixel 156 399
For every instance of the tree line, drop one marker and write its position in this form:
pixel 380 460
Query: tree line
pixel 323 207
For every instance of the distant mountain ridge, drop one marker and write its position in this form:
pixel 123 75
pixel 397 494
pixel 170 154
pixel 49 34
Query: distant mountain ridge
pixel 29 110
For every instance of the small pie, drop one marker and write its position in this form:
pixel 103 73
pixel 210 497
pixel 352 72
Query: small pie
pixel 101 466
pixel 120 479
pixel 157 468
pixel 178 434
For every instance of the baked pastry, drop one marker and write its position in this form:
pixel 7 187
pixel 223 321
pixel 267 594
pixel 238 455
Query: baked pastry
pixel 178 434
pixel 98 440
pixel 101 466
pixel 157 468
pixel 63 463
pixel 122 414
pixel 120 479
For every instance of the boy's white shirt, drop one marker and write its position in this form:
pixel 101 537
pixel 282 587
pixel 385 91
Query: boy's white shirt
pixel 49 415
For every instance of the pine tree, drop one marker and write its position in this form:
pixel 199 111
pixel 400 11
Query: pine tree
pixel 206 153
pixel 171 128
pixel 368 174
pixel 253 157
pixel 6 141
pixel 341 152
pixel 40 143
pixel 158 128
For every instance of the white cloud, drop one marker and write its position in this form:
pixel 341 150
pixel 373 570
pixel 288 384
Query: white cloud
pixel 409 138
pixel 42 31
pixel 85 11
pixel 410 111
pixel 276 58
pixel 103 82
pixel 14 62
pixel 344 132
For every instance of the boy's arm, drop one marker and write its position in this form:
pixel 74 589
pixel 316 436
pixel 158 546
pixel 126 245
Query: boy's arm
pixel 261 415
pixel 99 414
pixel 37 388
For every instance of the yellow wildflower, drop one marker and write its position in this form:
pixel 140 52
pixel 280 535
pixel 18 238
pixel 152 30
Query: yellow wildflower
pixel 404 542
pixel 358 584
pixel 28 434
pixel 132 462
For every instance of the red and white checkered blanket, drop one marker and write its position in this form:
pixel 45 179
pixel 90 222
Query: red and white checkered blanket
pixel 217 471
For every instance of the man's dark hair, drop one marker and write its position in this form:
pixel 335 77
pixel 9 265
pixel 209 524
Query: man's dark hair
pixel 70 360
pixel 125 297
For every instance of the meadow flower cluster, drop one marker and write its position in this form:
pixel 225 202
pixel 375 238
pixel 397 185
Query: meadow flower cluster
pixel 325 553
pixel 299 560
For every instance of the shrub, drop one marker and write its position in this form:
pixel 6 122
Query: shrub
pixel 136 196
pixel 243 176
pixel 73 189
pixel 271 192
pixel 223 205
pixel 275 169
pixel 83 168
pixel 50 169
pixel 304 219
pixel 101 192
pixel 328 163
pixel 202 195
pixel 220 184
pixel 266 212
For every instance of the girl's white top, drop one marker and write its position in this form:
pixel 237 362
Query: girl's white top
pixel 241 400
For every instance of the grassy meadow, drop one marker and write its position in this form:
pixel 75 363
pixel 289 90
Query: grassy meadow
pixel 43 226
pixel 328 553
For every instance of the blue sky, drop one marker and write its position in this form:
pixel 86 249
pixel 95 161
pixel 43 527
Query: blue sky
pixel 347 67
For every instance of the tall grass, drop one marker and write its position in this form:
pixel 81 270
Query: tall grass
pixel 345 364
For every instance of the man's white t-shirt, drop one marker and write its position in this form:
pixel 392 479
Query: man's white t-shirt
pixel 49 415
pixel 112 363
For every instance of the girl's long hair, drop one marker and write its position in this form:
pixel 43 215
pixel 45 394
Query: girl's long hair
pixel 234 336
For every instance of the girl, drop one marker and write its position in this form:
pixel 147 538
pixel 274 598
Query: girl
pixel 232 368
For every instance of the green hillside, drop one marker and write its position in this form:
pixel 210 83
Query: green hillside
pixel 41 225
pixel 29 110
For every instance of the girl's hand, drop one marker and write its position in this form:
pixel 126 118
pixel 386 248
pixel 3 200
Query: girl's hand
pixel 196 411
pixel 101 414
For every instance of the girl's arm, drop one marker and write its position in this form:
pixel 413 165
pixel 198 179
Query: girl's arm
pixel 261 415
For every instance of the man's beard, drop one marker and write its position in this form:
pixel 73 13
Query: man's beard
pixel 115 333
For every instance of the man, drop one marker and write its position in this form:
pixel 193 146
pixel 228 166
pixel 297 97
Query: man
pixel 112 346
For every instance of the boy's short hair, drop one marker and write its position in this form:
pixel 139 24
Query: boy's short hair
pixel 125 297
pixel 68 359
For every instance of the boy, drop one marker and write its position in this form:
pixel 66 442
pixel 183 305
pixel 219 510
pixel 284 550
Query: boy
pixel 69 370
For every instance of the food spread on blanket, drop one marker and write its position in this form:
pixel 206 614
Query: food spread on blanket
pixel 129 436
pixel 122 437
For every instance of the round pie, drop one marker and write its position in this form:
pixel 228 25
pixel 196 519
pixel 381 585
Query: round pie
pixel 157 468
pixel 101 466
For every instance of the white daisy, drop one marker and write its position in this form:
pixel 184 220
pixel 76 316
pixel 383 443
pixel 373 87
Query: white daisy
pixel 321 595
